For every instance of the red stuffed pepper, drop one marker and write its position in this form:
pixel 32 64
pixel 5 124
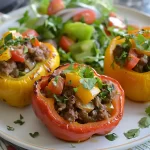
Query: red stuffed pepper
pixel 75 102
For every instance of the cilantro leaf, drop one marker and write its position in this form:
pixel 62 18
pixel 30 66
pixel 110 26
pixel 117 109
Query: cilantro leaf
pixel 10 128
pixel 144 122
pixel 133 133
pixel 73 146
pixel 148 110
pixel 34 135
pixel 86 72
pixel 75 89
pixel 111 137
pixel 24 19
pixel 8 38
pixel 20 122
pixel 88 83
pixel 99 82
pixel 25 50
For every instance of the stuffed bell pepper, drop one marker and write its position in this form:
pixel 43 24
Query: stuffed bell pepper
pixel 75 102
pixel 23 59
pixel 127 59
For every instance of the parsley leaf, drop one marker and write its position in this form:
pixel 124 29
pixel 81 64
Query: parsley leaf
pixel 34 135
pixel 8 38
pixel 111 137
pixel 133 133
pixel 25 50
pixel 73 146
pixel 75 89
pixel 99 82
pixel 144 122
pixel 88 83
pixel 10 128
pixel 86 72
pixel 24 19
pixel 148 110
pixel 19 121
pixel 60 99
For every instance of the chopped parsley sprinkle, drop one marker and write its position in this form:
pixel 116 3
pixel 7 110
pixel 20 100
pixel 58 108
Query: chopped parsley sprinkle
pixel 133 133
pixel 144 122
pixel 111 137
pixel 19 121
pixel 34 135
pixel 10 128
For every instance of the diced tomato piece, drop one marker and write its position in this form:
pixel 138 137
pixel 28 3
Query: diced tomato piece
pixel 65 43
pixel 55 6
pixel 132 59
pixel 17 56
pixel 88 16
pixel 30 33
pixel 56 85
pixel 35 42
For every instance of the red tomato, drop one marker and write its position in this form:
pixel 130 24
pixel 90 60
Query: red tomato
pixel 55 6
pixel 65 43
pixel 88 16
pixel 30 32
pixel 56 85
pixel 133 60
pixel 17 56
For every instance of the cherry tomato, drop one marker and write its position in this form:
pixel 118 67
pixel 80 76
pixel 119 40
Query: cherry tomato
pixel 65 43
pixel 133 60
pixel 88 16
pixel 30 32
pixel 17 56
pixel 55 6
pixel 56 85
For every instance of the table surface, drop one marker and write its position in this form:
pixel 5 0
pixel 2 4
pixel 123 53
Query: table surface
pixel 141 5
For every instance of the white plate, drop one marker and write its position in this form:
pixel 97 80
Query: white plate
pixel 133 113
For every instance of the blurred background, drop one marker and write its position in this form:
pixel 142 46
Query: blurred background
pixel 10 5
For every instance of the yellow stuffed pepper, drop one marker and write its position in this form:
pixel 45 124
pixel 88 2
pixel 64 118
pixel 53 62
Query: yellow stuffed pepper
pixel 128 60
pixel 23 59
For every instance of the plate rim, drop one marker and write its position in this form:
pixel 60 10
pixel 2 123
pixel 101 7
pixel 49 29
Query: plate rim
pixel 28 145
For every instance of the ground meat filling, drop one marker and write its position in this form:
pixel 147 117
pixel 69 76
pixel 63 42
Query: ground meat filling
pixel 71 108
pixel 142 66
pixel 34 55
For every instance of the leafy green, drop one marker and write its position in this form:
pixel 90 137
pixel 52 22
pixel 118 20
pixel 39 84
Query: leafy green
pixel 34 135
pixel 133 133
pixel 60 99
pixel 19 121
pixel 111 137
pixel 24 19
pixel 25 50
pixel 147 110
pixel 75 89
pixel 144 122
pixel 88 83
pixel 10 128
pixel 86 72
pixel 8 38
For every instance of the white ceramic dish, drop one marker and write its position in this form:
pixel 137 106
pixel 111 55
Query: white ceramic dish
pixel 133 113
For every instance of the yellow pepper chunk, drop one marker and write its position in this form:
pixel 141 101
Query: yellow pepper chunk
pixel 5 55
pixel 86 95
pixel 14 33
pixel 72 79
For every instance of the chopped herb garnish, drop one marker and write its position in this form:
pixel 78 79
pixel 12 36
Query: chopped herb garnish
pixel 19 121
pixel 8 38
pixel 75 89
pixel 144 122
pixel 111 137
pixel 60 99
pixel 25 50
pixel 88 83
pixel 133 133
pixel 34 135
pixel 24 19
pixel 10 128
pixel 148 110
pixel 99 83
